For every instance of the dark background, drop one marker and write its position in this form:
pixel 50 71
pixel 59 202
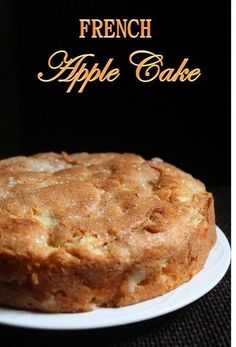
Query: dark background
pixel 187 124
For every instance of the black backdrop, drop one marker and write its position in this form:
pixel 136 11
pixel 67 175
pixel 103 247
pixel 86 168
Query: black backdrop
pixel 187 124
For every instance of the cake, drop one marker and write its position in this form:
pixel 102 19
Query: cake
pixel 83 231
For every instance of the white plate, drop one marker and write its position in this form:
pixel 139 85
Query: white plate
pixel 215 268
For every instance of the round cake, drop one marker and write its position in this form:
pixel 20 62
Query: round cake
pixel 82 231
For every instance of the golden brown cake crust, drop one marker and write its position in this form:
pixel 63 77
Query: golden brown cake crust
pixel 84 230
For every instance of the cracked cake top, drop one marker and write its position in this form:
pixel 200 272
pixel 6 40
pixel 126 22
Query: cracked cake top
pixel 96 206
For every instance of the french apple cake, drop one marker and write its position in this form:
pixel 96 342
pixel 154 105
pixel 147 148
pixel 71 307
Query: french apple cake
pixel 82 231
